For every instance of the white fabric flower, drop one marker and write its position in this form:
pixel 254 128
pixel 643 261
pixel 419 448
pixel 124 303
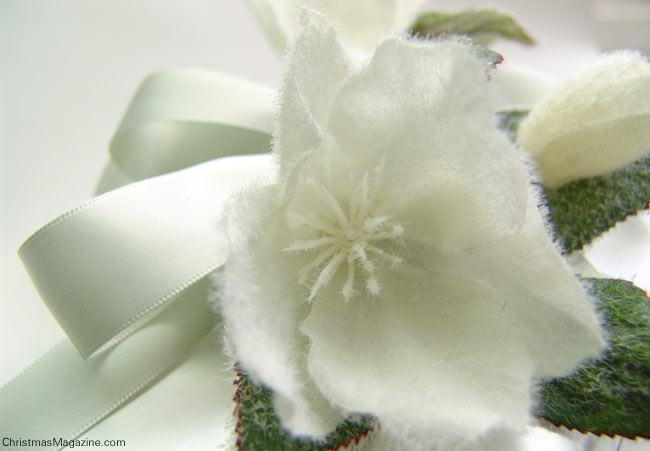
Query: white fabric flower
pixel 399 266
pixel 596 122
pixel 364 21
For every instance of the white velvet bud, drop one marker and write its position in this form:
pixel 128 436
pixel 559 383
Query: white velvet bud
pixel 596 122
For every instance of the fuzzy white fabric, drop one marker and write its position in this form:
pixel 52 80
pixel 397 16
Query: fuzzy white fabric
pixel 399 267
pixel 596 122
pixel 364 21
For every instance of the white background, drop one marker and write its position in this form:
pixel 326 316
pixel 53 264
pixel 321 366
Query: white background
pixel 68 69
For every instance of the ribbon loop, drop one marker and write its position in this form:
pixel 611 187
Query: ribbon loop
pixel 109 265
pixel 182 117
pixel 139 254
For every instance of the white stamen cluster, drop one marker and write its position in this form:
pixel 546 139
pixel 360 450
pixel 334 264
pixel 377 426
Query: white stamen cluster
pixel 349 238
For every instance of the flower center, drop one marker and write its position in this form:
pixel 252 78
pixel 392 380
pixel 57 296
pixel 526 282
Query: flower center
pixel 352 237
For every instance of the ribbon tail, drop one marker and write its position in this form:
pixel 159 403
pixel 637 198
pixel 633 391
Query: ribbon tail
pixel 62 396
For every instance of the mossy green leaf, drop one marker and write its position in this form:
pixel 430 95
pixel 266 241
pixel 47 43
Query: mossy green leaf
pixel 482 25
pixel 259 429
pixel 582 210
pixel 611 395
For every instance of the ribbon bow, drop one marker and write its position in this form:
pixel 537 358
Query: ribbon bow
pixel 123 273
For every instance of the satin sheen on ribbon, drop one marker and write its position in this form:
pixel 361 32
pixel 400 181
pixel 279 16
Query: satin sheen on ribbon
pixel 62 396
pixel 182 117
pixel 102 273
pixel 138 255
pixel 107 265
pixel 179 118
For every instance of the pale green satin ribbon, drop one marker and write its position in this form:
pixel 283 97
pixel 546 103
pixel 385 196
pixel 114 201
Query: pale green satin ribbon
pixel 110 265
pixel 106 266
pixel 61 395
pixel 179 118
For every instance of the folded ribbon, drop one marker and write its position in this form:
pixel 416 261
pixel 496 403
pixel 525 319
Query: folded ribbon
pixel 106 266
pixel 62 396
pixel 179 118
pixel 109 266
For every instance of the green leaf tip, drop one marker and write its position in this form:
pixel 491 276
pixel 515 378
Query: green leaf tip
pixel 482 25
pixel 259 429
pixel 584 209
pixel 612 395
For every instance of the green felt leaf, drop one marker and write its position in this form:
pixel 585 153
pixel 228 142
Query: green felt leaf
pixel 582 210
pixel 509 121
pixel 612 395
pixel 482 25
pixel 259 429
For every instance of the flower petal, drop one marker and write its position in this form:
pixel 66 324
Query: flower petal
pixel 434 124
pixel 363 21
pixel 557 319
pixel 596 122
pixel 432 358
pixel 537 290
pixel 406 14
pixel 318 66
pixel 261 309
